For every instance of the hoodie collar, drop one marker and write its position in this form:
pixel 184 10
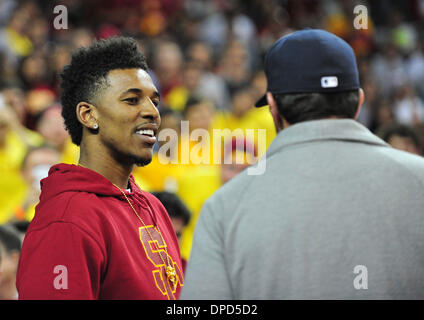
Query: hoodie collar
pixel 68 177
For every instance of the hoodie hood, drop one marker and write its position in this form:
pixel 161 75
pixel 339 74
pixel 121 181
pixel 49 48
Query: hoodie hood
pixel 68 177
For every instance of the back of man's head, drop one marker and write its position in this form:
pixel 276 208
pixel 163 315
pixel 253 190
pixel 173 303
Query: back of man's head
pixel 312 74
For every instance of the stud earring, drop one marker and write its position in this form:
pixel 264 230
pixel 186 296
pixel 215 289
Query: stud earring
pixel 95 126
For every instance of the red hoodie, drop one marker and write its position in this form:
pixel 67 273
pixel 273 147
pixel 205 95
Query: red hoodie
pixel 85 242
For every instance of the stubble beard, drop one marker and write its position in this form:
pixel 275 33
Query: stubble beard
pixel 139 161
pixel 129 158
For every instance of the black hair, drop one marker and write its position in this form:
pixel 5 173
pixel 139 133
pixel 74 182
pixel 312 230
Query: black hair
pixel 85 76
pixel 10 239
pixel 173 204
pixel 402 130
pixel 298 107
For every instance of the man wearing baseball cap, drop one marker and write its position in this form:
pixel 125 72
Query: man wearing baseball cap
pixel 338 213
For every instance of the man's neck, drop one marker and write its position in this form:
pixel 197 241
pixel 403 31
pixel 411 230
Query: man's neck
pixel 107 166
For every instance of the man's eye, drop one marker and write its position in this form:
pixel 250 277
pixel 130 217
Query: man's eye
pixel 132 100
pixel 155 102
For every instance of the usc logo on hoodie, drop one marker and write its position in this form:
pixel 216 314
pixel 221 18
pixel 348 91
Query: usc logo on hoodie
pixel 154 246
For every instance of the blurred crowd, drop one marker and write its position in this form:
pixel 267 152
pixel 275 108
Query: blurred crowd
pixel 206 58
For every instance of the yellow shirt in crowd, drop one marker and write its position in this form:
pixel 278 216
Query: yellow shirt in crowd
pixel 12 185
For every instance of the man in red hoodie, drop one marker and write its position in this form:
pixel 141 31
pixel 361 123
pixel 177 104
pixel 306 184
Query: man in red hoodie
pixel 95 234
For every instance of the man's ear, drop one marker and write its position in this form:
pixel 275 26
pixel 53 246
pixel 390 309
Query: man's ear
pixel 87 115
pixel 278 121
pixel 360 102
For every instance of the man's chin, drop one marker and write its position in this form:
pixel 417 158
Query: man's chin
pixel 141 161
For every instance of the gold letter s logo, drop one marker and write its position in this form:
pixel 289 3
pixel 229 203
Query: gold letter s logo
pixel 154 246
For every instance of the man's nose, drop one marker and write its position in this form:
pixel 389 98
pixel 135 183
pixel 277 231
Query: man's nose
pixel 149 111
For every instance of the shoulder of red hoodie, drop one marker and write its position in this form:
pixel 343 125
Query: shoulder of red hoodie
pixel 85 242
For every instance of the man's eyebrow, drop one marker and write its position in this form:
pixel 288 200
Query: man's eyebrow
pixel 132 90
pixel 156 95
pixel 139 91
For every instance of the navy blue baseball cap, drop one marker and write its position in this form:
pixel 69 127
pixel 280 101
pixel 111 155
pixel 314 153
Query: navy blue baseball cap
pixel 309 61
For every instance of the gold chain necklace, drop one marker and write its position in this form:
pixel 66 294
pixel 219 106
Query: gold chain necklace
pixel 169 270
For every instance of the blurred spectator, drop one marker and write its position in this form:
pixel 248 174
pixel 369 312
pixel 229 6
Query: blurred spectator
pixel 14 41
pixel 37 100
pixel 10 244
pixel 81 37
pixel 244 116
pixel 409 108
pixel 178 95
pixel 414 65
pixel 388 69
pixel 38 34
pixel 15 98
pixel 199 113
pixel 168 62
pixel 234 66
pixel 178 212
pixel 35 167
pixel 49 123
pixel 402 137
pixel 14 143
pixel 403 34
pixel 198 81
pixel 34 72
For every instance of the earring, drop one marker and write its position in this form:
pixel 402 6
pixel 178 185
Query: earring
pixel 95 126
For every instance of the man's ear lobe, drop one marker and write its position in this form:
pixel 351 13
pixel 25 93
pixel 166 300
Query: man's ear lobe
pixel 274 111
pixel 272 105
pixel 87 114
pixel 360 102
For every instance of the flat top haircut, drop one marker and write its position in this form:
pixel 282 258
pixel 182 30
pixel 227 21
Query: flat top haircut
pixel 86 76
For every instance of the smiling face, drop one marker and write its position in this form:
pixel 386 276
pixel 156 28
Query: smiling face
pixel 127 116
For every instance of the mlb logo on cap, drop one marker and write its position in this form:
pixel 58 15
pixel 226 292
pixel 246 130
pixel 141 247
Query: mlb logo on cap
pixel 329 82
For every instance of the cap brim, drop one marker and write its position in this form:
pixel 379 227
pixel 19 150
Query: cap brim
pixel 262 102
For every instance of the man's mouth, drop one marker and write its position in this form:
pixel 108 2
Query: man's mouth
pixel 146 132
